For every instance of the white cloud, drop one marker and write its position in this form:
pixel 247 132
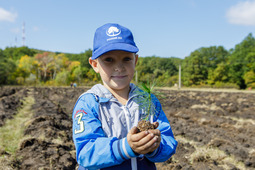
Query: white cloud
pixel 242 13
pixel 7 15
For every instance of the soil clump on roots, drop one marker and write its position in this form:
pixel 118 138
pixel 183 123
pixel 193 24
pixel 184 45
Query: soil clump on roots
pixel 144 125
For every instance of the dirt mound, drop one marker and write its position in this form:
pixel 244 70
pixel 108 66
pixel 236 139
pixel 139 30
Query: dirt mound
pixel 43 154
pixel 220 123
pixel 49 144
pixel 11 98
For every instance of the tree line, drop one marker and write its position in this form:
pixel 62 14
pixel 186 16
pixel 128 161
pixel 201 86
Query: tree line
pixel 205 67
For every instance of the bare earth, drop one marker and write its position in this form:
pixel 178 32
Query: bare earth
pixel 214 129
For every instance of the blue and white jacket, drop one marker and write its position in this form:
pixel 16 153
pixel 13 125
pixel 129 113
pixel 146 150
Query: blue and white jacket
pixel 101 124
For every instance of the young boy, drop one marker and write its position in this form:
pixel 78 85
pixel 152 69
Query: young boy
pixel 105 117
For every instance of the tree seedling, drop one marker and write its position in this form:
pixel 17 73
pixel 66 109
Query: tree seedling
pixel 145 102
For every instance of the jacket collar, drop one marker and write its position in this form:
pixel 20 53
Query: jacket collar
pixel 104 95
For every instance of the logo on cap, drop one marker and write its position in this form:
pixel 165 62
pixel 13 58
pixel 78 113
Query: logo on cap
pixel 113 31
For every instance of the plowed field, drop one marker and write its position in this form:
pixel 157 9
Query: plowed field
pixel 215 130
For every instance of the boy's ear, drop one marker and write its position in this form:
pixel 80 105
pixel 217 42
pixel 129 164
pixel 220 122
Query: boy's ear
pixel 93 64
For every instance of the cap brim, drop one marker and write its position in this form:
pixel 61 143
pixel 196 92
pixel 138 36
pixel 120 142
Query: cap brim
pixel 114 46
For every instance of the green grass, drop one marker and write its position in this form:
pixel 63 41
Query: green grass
pixel 12 132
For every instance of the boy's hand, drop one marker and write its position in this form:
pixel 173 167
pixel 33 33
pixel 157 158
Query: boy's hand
pixel 144 142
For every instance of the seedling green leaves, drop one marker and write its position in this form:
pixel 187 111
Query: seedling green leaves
pixel 145 101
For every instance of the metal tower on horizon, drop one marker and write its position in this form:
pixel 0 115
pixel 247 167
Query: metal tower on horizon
pixel 23 34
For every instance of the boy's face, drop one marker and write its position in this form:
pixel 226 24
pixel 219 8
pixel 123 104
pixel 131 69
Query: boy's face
pixel 116 68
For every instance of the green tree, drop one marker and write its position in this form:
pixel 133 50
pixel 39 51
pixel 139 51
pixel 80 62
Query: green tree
pixel 219 74
pixel 249 79
pixel 251 61
pixel 62 78
pixel 7 69
pixel 77 74
pixel 25 66
pixel 151 68
pixel 242 61
pixel 44 62
pixel 83 58
pixel 2 53
pixel 17 52
pixel 60 62
pixel 201 62
pixel 92 77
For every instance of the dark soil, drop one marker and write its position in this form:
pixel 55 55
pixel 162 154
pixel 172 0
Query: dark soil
pixel 220 121
pixel 144 125
pixel 214 120
pixel 11 98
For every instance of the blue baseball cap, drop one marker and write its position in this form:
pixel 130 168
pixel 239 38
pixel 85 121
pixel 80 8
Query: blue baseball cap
pixel 110 37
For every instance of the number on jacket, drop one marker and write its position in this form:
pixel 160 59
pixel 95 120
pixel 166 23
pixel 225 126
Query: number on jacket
pixel 80 122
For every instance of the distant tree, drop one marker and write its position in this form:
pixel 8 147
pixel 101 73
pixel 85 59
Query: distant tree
pixel 17 52
pixel 2 54
pixel 8 52
pixel 26 64
pixel 251 61
pixel 220 74
pixel 62 78
pixel 197 66
pixel 44 62
pixel 242 60
pixel 7 69
pixel 176 61
pixel 77 74
pixel 73 65
pixel 59 63
pixel 92 77
pixel 83 58
pixel 193 70
pixel 249 79
pixel 150 68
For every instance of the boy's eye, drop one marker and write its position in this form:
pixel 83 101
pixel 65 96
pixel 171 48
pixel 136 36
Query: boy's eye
pixel 127 59
pixel 108 59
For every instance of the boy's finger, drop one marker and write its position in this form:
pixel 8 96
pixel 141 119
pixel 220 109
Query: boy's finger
pixel 147 140
pixel 155 124
pixel 134 136
pixel 154 146
pixel 147 143
pixel 155 132
pixel 134 130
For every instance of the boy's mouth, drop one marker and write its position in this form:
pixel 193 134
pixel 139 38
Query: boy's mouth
pixel 119 77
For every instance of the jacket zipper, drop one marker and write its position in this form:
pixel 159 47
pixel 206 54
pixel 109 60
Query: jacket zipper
pixel 128 120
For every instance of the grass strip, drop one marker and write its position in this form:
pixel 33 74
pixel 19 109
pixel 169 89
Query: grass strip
pixel 13 131
pixel 211 154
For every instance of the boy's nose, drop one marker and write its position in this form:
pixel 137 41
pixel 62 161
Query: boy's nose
pixel 119 67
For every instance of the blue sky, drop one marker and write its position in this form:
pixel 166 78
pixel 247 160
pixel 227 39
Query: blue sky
pixel 165 28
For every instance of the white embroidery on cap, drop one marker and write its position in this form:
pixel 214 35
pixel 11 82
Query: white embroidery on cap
pixel 113 31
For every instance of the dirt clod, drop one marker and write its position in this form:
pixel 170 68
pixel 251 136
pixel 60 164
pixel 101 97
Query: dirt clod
pixel 144 125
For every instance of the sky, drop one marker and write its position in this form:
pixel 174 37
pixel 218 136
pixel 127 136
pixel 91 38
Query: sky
pixel 164 28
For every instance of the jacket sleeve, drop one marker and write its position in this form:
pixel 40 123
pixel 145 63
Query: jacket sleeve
pixel 93 149
pixel 168 143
